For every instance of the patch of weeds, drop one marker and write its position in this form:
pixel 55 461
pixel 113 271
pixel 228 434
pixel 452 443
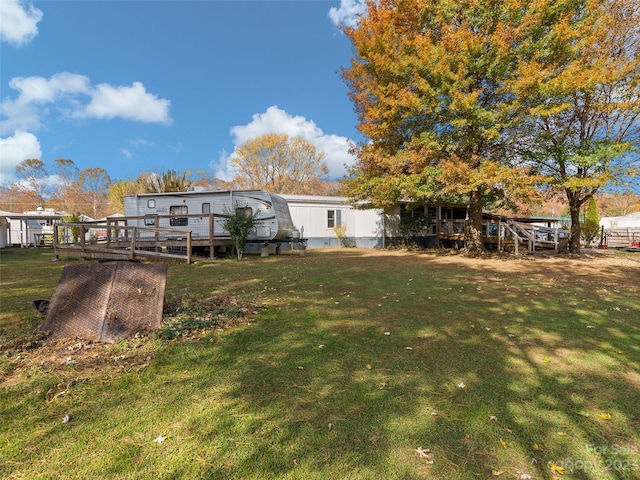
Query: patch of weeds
pixel 193 313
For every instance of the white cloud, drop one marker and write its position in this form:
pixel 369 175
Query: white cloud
pixel 19 22
pixel 130 103
pixel 348 12
pixel 275 120
pixel 25 112
pixel 73 96
pixel 13 150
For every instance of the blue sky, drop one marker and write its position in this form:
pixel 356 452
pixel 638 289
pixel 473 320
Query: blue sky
pixel 133 86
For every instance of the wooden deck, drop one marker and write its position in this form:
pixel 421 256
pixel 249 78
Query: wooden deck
pixel 102 240
pixel 505 235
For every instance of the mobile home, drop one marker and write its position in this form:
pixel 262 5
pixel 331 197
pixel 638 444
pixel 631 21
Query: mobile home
pixel 316 217
pixel 273 221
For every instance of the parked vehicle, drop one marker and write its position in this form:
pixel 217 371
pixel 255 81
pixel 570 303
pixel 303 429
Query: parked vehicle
pixel 202 212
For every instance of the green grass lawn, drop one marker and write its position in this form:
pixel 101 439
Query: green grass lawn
pixel 356 362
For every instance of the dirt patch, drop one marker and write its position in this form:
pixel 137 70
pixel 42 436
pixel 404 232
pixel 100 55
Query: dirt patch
pixel 186 317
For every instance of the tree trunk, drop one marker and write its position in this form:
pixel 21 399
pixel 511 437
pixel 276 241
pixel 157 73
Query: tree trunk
pixel 574 210
pixel 475 244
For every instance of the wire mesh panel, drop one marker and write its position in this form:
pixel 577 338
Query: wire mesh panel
pixel 107 301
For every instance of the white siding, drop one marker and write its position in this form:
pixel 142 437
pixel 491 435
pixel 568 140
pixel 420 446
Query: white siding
pixel 4 232
pixel 310 216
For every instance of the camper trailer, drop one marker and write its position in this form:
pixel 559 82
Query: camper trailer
pixel 273 222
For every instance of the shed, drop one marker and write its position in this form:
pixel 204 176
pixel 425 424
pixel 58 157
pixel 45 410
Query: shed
pixel 30 228
pixel 4 228
pixel 24 231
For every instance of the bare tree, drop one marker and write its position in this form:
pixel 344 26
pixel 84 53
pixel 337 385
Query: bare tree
pixel 33 175
pixel 95 184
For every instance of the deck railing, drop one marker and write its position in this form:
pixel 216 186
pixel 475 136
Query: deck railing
pixel 621 237
pixel 102 240
pixel 501 232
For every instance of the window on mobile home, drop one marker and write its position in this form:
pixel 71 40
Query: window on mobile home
pixel 246 211
pixel 206 208
pixel 334 218
pixel 149 220
pixel 177 221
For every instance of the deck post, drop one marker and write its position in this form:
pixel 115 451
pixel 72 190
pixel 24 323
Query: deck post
pixel 189 247
pixel 211 245
pixel 108 231
pixel 82 239
pixel 134 234
pixel 55 242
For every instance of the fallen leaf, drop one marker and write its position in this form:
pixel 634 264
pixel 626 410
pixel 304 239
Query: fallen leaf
pixel 66 419
pixel 546 360
pixel 160 439
pixel 369 367
pixel 496 473
pixel 556 468
pixel 605 416
pixel 536 447
pixel 503 443
pixel 562 434
pixel 494 418
pixel 461 385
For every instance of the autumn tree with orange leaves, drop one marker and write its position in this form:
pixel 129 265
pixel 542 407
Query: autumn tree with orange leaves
pixel 580 86
pixel 280 164
pixel 428 84
pixel 440 93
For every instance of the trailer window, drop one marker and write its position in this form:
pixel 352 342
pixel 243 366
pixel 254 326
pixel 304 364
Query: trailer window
pixel 246 211
pixel 151 203
pixel 177 221
pixel 149 221
pixel 334 218
pixel 206 208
